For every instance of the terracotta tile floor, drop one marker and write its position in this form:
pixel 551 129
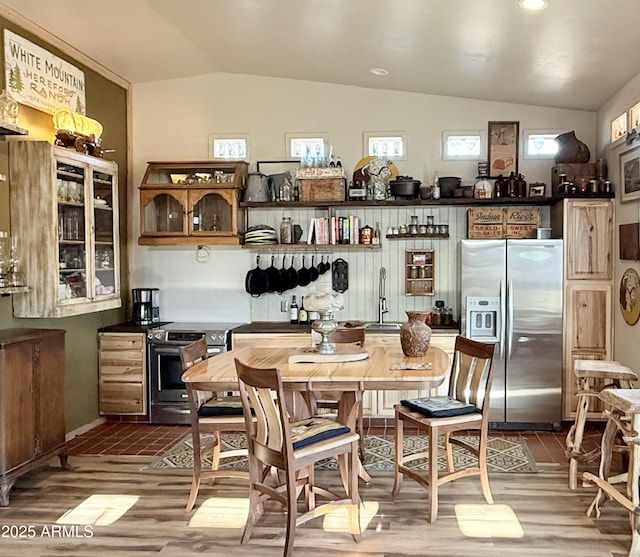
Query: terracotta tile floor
pixel 118 438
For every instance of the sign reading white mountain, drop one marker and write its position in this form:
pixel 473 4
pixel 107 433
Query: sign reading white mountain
pixel 37 78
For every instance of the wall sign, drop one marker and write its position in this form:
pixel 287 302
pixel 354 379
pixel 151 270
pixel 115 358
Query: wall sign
pixel 37 78
pixel 629 303
pixel 630 174
pixel 502 146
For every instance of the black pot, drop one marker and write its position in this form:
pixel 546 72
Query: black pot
pixel 255 283
pixel 304 274
pixel 292 276
pixel 448 184
pixel 313 270
pixel 273 278
pixel 404 186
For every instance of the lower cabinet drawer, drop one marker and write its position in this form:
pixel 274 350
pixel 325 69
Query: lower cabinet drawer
pixel 122 398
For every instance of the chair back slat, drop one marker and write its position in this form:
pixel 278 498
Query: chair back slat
pixel 472 372
pixel 261 391
pixel 192 354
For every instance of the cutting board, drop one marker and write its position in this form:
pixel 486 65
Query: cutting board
pixel 309 356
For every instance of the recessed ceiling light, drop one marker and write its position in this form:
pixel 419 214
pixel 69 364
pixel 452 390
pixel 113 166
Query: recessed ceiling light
pixel 533 4
pixel 379 71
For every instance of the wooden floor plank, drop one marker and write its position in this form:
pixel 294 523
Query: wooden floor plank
pixel 552 518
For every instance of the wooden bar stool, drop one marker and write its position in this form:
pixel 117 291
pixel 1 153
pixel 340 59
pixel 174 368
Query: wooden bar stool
pixel 592 377
pixel 623 416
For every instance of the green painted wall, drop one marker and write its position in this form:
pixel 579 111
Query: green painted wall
pixel 106 102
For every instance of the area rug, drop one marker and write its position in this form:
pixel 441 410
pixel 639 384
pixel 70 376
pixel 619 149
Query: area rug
pixel 504 454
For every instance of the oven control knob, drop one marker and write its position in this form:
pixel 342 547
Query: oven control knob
pixel 158 336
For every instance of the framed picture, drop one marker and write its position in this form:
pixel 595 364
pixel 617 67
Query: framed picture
pixel 502 147
pixel 629 303
pixel 630 174
pixel 536 189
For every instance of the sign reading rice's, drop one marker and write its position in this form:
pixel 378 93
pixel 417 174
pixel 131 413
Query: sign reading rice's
pixel 488 224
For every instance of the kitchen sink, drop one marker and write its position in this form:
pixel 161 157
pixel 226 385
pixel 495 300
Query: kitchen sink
pixel 383 327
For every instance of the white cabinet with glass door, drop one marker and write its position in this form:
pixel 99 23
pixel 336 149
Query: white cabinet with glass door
pixel 64 210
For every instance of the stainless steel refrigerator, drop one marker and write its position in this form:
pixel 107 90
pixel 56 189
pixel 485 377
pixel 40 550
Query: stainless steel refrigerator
pixel 512 294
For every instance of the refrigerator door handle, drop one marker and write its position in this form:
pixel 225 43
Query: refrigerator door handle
pixel 503 319
pixel 509 318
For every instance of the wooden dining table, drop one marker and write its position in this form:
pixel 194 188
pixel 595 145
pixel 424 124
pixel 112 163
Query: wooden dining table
pixel 377 368
pixel 381 368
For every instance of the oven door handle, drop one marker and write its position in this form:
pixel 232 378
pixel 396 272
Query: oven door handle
pixel 165 350
pixel 173 350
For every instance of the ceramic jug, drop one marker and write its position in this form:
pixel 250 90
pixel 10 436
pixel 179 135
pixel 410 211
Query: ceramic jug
pixel 571 149
pixel 415 334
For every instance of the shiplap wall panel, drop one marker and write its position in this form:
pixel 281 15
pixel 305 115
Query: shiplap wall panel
pixel 361 298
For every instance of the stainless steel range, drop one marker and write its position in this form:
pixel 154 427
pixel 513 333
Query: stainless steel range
pixel 167 393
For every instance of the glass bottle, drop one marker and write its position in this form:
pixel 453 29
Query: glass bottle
pixel 302 313
pixel 286 231
pixel 286 191
pixel 293 310
pixel 376 234
pixel 435 190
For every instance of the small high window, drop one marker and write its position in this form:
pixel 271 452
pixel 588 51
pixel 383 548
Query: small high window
pixel 634 116
pixel 390 145
pixel 540 144
pixel 619 127
pixel 461 145
pixel 226 147
pixel 301 145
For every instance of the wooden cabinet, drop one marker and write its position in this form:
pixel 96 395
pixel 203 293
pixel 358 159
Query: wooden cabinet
pixel 588 334
pixel 192 203
pixel 64 210
pixel 587 228
pixel 122 373
pixel 32 427
pixel 589 225
pixel 419 272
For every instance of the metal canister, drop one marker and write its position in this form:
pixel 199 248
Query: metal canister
pixel 593 186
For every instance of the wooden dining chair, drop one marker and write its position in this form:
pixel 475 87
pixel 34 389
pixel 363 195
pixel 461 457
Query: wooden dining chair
pixel 328 401
pixel 465 408
pixel 210 413
pixel 292 448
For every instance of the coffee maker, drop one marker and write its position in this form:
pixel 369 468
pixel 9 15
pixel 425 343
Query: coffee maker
pixel 146 307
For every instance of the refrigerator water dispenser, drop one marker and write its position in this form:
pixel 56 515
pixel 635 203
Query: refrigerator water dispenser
pixel 483 318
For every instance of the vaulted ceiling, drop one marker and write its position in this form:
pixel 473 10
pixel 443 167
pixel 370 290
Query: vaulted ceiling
pixel 575 54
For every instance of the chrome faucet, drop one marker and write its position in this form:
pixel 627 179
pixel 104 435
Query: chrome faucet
pixel 382 301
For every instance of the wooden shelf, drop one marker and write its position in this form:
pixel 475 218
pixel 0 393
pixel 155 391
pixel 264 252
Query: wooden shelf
pixel 283 248
pixel 6 290
pixel 11 129
pixel 402 202
pixel 416 236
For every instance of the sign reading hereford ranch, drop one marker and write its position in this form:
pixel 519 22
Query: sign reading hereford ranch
pixel 37 78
